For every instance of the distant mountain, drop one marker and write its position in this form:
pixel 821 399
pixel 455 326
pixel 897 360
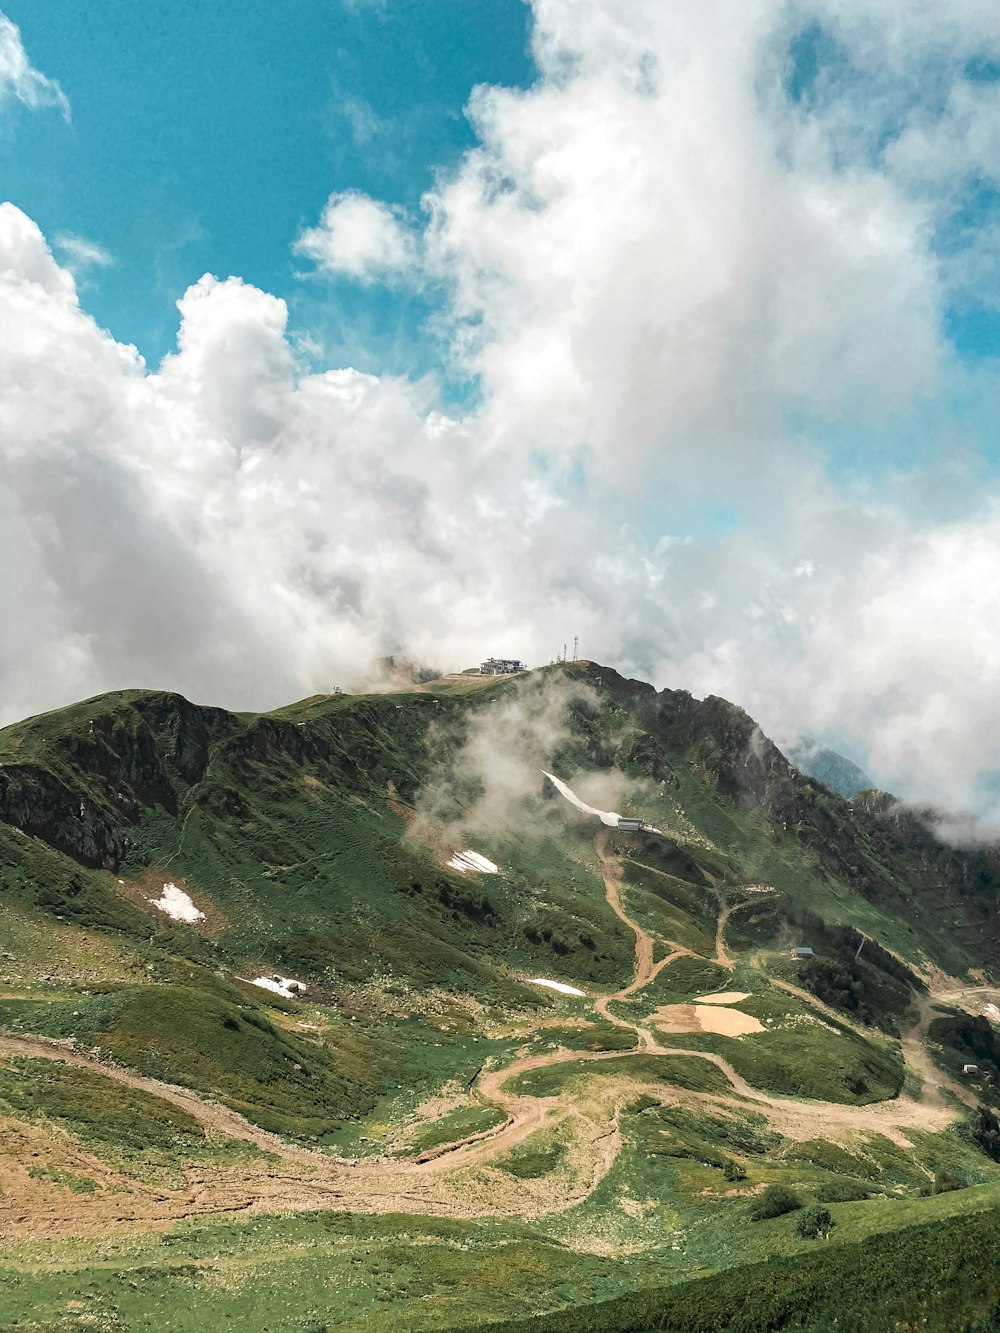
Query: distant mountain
pixel 835 771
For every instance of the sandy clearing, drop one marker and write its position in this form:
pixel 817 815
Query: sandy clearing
pixel 706 1018
pixel 176 904
pixel 560 986
pixel 723 997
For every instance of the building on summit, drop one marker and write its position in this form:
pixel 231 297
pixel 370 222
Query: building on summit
pixel 501 666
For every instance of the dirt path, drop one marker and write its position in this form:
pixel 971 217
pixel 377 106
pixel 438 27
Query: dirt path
pixel 645 969
pixel 611 871
pixel 918 1057
pixel 214 1118
pixel 722 958
pixel 455 1179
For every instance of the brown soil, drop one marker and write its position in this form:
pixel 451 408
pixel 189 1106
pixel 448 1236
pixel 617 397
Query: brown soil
pixel 456 1179
pixel 706 1018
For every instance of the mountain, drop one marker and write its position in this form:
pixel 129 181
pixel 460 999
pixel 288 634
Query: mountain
pixel 832 769
pixel 343 1016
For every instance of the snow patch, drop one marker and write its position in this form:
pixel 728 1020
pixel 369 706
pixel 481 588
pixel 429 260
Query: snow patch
pixel 177 905
pixel 470 860
pixel 605 816
pixel 609 817
pixel 560 986
pixel 286 986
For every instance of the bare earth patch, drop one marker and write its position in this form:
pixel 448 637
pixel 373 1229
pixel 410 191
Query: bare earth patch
pixel 706 1018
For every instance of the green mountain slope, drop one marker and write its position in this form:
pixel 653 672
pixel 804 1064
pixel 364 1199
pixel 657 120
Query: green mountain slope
pixel 417 1065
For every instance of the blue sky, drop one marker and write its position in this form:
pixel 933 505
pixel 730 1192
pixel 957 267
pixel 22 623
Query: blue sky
pixel 205 136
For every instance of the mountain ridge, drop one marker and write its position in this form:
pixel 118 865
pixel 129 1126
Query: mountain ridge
pixel 424 1062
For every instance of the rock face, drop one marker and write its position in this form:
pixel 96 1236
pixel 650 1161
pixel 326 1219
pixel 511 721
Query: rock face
pixel 81 779
pixel 86 783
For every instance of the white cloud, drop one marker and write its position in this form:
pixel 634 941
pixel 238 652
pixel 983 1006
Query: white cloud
pixel 637 271
pixel 80 254
pixel 358 237
pixel 18 77
pixel 676 288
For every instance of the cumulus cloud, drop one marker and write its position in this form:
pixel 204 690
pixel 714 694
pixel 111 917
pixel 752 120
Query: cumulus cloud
pixel 18 77
pixel 358 237
pixel 679 267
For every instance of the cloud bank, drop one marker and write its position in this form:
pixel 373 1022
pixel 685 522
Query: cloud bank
pixel 700 272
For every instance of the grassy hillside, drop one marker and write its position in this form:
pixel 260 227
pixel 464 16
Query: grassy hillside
pixel 313 843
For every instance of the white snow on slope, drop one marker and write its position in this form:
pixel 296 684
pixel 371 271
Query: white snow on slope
pixel 286 986
pixel 177 905
pixel 609 817
pixel 605 816
pixel 469 860
pixel 560 986
pixel 555 985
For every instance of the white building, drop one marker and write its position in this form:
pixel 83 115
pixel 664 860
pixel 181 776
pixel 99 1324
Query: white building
pixel 501 666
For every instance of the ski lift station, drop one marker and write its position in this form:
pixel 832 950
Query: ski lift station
pixel 501 666
pixel 631 825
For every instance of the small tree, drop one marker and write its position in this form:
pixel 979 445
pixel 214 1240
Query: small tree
pixel 733 1171
pixel 774 1202
pixel 815 1222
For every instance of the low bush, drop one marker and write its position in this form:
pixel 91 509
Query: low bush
pixel 814 1223
pixel 775 1201
pixel 841 1191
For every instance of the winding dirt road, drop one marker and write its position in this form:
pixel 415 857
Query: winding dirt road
pixel 455 1179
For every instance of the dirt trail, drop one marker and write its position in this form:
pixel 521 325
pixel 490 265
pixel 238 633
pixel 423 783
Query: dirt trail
pixel 214 1118
pixel 455 1179
pixel 645 969
pixel 918 1057
pixel 722 958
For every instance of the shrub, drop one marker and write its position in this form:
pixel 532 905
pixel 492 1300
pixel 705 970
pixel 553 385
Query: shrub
pixel 944 1183
pixel 814 1222
pixel 841 1191
pixel 775 1201
pixel 986 1133
pixel 733 1171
